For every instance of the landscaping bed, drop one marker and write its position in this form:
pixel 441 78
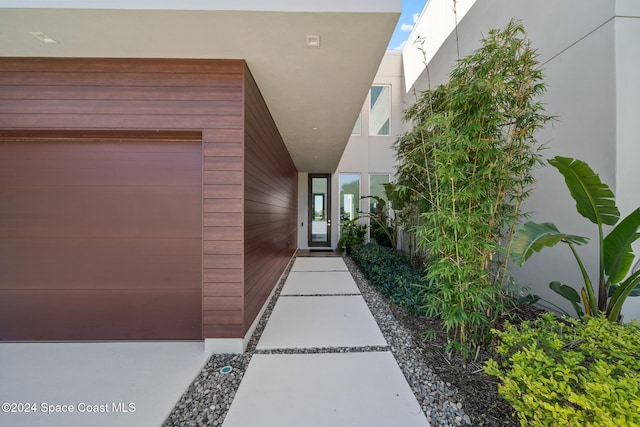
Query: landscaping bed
pixel 476 391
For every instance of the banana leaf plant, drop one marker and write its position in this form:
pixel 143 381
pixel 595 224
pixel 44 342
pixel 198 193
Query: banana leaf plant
pixel 596 202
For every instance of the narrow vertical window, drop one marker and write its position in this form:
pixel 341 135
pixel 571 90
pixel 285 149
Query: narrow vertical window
pixel 349 196
pixel 380 111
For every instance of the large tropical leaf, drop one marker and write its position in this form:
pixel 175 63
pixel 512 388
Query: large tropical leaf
pixel 569 294
pixel 594 199
pixel 533 237
pixel 635 292
pixel 618 253
pixel 621 294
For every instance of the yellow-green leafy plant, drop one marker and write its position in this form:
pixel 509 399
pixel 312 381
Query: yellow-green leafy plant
pixel 570 372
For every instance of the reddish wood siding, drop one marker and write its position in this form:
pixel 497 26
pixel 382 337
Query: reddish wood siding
pixel 269 203
pixel 157 95
pixel 86 253
pixel 248 224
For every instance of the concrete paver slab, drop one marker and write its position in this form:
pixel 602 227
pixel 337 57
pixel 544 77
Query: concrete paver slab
pixel 319 283
pixel 325 390
pixel 321 321
pixel 319 264
pixel 107 383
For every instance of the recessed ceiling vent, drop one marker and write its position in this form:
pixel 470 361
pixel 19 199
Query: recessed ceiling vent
pixel 313 40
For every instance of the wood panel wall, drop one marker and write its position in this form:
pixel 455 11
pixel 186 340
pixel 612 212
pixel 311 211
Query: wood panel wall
pixel 155 95
pixel 249 180
pixel 270 203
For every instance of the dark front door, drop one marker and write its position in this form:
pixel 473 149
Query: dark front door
pixel 319 211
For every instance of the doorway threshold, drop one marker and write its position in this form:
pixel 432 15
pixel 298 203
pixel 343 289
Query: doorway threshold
pixel 326 252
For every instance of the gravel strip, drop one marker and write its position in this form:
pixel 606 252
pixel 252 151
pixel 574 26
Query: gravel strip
pixel 208 398
pixel 437 399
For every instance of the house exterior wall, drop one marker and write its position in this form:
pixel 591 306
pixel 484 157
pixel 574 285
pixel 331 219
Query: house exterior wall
pixel 367 154
pixel 216 99
pixel 270 204
pixel 588 55
pixel 627 152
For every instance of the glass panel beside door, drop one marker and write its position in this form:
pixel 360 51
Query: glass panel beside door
pixel 320 210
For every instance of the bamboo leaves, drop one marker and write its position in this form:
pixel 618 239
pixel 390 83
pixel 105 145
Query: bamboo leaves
pixel 464 171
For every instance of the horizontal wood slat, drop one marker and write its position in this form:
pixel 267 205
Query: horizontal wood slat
pixel 132 121
pixel 221 289
pixel 222 261
pixel 220 303
pixel 222 205
pixel 153 79
pixel 222 275
pixel 223 177
pixel 222 331
pixel 270 192
pixel 160 139
pixel 223 163
pixel 115 107
pixel 223 149
pixel 223 191
pixel 222 317
pixel 222 219
pixel 120 65
pixel 122 93
pixel 212 247
pixel 222 233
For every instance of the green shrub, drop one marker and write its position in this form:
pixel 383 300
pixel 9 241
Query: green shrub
pixel 571 372
pixel 391 272
pixel 465 168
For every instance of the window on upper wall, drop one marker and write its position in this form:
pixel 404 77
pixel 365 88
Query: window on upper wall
pixel 357 128
pixel 349 196
pixel 380 111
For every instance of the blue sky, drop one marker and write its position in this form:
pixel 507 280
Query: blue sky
pixel 410 11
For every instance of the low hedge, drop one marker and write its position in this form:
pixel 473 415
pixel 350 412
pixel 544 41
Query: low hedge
pixel 391 272
pixel 570 372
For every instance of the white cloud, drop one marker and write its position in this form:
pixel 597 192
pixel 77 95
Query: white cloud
pixel 406 27
pixel 401 46
pixel 415 17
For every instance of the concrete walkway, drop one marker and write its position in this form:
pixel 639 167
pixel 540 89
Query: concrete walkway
pixel 354 381
pixel 99 384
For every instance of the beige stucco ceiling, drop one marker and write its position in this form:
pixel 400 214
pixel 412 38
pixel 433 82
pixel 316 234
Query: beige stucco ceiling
pixel 305 87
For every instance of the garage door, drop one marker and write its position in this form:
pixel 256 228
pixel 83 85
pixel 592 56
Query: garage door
pixel 100 237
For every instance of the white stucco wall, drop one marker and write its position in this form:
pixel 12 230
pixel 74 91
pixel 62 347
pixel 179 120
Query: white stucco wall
pixel 590 57
pixel 627 52
pixel 435 24
pixel 366 154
